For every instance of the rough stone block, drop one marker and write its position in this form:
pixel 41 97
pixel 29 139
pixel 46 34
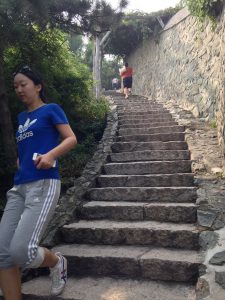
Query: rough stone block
pixel 202 289
pixel 218 258
pixel 220 279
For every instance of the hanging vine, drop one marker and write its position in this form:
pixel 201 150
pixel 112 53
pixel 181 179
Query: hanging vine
pixel 203 9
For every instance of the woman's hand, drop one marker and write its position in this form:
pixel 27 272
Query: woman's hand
pixel 45 161
pixel 69 140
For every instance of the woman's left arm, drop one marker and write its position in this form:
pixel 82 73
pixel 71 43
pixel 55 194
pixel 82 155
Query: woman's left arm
pixel 68 142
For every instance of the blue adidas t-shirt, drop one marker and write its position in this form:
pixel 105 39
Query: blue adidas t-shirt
pixel 37 133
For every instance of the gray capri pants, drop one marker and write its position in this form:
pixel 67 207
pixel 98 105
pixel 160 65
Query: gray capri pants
pixel 29 209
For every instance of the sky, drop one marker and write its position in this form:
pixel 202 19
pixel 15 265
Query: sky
pixel 146 5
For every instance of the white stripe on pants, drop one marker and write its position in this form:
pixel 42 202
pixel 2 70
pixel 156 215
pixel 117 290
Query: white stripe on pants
pixel 29 209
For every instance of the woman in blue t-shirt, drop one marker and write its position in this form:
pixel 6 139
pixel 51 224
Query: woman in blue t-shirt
pixel 32 200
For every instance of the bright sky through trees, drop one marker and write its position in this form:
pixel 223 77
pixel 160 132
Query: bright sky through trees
pixel 146 5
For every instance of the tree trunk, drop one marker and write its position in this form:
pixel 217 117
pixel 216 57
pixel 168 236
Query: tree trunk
pixel 97 62
pixel 6 126
pixel 97 67
pixel 93 66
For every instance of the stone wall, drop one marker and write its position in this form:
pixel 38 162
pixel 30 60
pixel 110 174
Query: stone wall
pixel 185 64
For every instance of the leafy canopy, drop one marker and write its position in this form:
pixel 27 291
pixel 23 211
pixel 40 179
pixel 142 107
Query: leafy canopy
pixel 17 15
pixel 134 29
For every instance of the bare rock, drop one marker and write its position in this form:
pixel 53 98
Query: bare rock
pixel 218 258
pixel 202 289
pixel 220 279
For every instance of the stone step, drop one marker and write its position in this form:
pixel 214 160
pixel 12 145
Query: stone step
pixel 148 125
pixel 110 232
pixel 107 288
pixel 141 146
pixel 127 111
pixel 154 118
pixel 143 194
pixel 164 137
pixel 157 114
pixel 135 262
pixel 150 155
pixel 152 130
pixel 148 167
pixel 128 211
pixel 143 121
pixel 186 179
pixel 134 100
pixel 123 103
pixel 138 106
pixel 142 113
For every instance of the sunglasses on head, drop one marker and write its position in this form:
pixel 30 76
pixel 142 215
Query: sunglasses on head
pixel 22 70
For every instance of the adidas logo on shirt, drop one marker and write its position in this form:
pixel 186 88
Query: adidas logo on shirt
pixel 28 123
pixel 23 130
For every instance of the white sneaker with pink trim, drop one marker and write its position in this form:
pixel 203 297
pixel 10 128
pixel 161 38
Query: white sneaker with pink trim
pixel 59 275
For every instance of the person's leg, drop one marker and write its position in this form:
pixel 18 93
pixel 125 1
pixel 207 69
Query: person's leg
pixel 125 90
pixel 126 93
pixel 10 277
pixel 129 85
pixel 50 259
pixel 122 86
pixel 41 199
pixel 11 283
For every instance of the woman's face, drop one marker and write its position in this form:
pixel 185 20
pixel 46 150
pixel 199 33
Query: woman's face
pixel 25 89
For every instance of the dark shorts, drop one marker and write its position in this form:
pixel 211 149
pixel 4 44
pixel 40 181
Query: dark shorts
pixel 127 82
pixel 115 86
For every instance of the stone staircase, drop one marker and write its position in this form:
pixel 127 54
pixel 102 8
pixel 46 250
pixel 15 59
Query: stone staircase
pixel 136 237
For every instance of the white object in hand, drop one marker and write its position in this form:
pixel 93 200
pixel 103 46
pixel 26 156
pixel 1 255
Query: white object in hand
pixel 35 155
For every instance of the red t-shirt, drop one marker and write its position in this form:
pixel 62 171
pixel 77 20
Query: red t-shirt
pixel 127 73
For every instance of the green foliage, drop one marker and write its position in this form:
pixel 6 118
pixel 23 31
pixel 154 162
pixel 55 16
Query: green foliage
pixel 220 175
pixel 104 17
pixel 135 28
pixel 89 130
pixel 68 82
pixel 16 16
pixel 205 8
pixel 88 55
pixel 110 70
pixel 65 77
pixel 76 43
pixel 123 40
pixel 180 4
pixel 213 124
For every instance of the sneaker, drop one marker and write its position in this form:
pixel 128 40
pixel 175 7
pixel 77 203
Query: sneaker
pixel 59 275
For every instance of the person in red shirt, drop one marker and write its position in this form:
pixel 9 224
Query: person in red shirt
pixel 126 74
